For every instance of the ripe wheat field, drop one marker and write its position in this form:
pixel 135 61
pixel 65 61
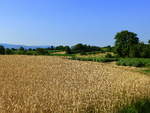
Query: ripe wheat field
pixel 46 84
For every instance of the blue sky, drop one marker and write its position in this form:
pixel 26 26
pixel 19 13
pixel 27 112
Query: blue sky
pixel 67 22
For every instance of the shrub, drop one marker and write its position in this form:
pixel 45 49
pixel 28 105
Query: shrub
pixel 41 51
pixel 31 53
pixel 79 48
pixel 108 55
pixel 2 50
pixel 108 59
pixel 8 51
pixel 68 50
pixel 83 53
pixel 94 59
pixel 146 71
pixel 136 62
pixel 142 106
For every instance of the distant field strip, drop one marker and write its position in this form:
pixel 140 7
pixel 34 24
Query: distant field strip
pixel 49 84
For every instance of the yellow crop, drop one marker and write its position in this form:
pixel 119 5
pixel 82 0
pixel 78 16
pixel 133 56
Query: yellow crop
pixel 43 84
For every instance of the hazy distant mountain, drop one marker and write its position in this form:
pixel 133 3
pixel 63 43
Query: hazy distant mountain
pixel 18 46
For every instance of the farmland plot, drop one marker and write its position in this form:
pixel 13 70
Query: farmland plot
pixel 48 84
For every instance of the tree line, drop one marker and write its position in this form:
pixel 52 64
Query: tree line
pixel 127 44
pixel 78 48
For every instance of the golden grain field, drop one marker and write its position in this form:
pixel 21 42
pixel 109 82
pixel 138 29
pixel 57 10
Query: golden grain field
pixel 44 84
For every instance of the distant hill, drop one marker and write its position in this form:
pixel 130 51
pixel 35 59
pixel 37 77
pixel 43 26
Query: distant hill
pixel 24 46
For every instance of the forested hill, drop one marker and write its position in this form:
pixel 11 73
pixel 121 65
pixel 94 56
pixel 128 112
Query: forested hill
pixel 24 46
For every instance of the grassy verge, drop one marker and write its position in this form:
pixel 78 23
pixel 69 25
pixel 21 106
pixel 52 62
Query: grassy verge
pixel 91 53
pixel 145 71
pixel 101 59
pixel 71 55
pixel 142 106
pixel 135 62
pixel 53 51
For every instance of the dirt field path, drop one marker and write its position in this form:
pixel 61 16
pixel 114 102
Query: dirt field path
pixel 43 84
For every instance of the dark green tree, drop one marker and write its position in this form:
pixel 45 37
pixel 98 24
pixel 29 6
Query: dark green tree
pixel 149 42
pixel 124 41
pixel 2 50
pixel 13 49
pixel 144 50
pixel 21 51
pixel 134 51
pixel 68 50
pixel 41 51
pixel 52 47
pixel 83 48
pixel 108 48
pixel 78 48
pixel 8 51
pixel 30 49
pixel 60 48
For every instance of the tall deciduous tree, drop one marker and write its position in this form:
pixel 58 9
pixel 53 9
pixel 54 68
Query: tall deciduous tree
pixel 21 51
pixel 124 41
pixel 68 50
pixel 8 51
pixel 149 42
pixel 2 50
